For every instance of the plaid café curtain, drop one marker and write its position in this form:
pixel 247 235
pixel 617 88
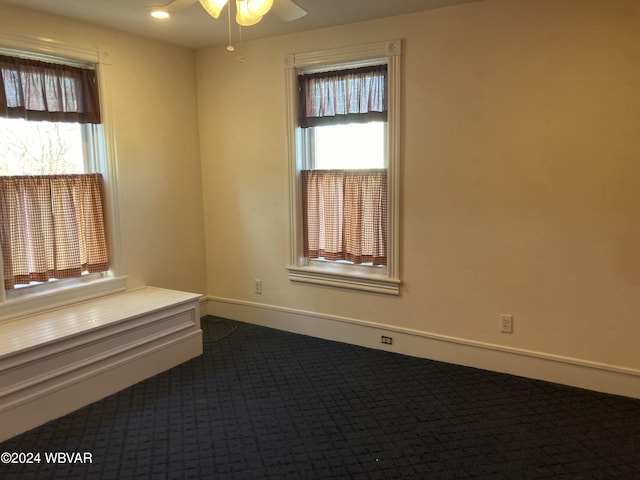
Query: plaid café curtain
pixel 345 215
pixel 51 226
pixel 344 211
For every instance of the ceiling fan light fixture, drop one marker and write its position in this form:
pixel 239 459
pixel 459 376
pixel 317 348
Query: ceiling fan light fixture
pixel 213 7
pixel 259 8
pixel 243 16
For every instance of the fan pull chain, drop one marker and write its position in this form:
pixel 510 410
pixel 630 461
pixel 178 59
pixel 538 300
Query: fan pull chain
pixel 240 58
pixel 230 47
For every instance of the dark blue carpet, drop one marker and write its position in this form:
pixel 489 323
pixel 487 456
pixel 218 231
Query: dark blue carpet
pixel 265 404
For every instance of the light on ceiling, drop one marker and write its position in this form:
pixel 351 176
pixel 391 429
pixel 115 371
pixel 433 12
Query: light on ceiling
pixel 160 14
pixel 213 7
pixel 243 16
pixel 259 7
pixel 248 12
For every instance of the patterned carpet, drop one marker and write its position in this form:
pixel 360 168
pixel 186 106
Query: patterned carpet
pixel 265 404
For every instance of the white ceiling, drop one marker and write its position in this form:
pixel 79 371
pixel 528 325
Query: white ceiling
pixel 193 27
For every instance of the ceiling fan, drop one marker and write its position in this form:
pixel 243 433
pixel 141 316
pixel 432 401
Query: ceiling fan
pixel 248 12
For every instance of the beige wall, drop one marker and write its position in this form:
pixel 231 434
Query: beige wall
pixel 519 176
pixel 155 117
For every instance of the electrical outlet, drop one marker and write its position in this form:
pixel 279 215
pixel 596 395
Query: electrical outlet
pixel 257 286
pixel 386 340
pixel 506 323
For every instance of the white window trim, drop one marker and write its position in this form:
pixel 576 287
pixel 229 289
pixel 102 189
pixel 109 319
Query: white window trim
pixel 376 280
pixel 60 293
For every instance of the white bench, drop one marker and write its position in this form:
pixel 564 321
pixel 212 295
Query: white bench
pixel 55 362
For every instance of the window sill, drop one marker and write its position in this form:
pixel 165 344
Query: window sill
pixel 58 297
pixel 331 277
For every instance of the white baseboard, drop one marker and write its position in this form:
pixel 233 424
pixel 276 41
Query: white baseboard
pixel 203 302
pixel 575 372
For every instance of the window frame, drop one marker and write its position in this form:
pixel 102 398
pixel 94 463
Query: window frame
pixel 336 274
pixel 102 147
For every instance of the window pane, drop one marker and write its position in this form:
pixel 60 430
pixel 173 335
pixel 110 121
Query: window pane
pixel 40 148
pixel 355 145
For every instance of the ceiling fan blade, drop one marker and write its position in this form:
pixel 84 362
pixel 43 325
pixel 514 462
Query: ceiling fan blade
pixel 177 5
pixel 287 10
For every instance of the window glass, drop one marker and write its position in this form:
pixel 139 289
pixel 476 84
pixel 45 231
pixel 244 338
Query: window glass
pixel 40 148
pixel 354 145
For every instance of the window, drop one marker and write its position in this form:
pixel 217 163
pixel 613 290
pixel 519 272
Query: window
pixel 57 177
pixel 344 124
pixel 51 216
